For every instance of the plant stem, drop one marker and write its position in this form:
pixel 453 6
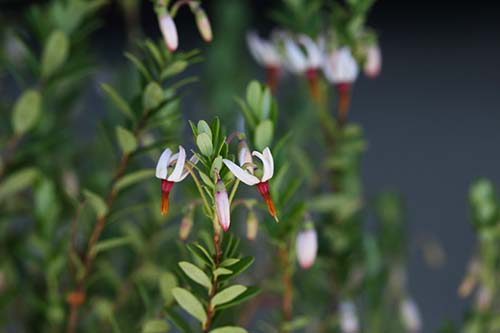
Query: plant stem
pixel 198 186
pixel 286 278
pixel 10 148
pixel 213 289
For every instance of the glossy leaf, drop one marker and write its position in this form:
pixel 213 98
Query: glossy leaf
pixel 126 140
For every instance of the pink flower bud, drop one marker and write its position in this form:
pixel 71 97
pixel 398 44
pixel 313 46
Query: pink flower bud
pixel 373 63
pixel 186 226
pixel 204 25
pixel 307 246
pixel 169 31
pixel 222 205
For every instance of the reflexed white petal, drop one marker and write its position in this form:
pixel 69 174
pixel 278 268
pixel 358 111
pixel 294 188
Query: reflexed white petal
pixel 296 59
pixel 267 168
pixel 269 157
pixel 175 176
pixel 193 160
pixel 314 54
pixel 263 50
pixel 410 315
pixel 241 174
pixel 163 161
pixel 349 322
pixel 255 47
pixel 373 62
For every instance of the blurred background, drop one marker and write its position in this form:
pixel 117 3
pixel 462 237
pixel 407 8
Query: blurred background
pixel 431 118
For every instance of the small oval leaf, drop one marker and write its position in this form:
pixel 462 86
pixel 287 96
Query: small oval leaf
pixel 227 295
pixel 229 329
pixel 190 303
pixel 153 96
pixel 264 134
pixel 55 53
pixel 126 140
pixel 97 203
pixel 204 143
pixel 155 326
pixel 195 274
pixel 26 111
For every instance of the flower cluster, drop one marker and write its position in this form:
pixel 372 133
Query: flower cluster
pixel 303 55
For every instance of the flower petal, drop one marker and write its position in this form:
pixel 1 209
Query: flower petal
pixel 267 166
pixel 193 160
pixel 296 59
pixel 163 161
pixel 241 174
pixel 314 54
pixel 175 176
pixel 269 157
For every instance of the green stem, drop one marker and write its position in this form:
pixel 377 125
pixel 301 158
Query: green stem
pixel 233 191
pixel 198 186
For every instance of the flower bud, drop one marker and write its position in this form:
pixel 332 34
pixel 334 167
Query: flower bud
pixel 252 225
pixel 245 156
pixel 307 246
pixel 348 317
pixel 186 226
pixel 410 315
pixel 373 62
pixel 202 22
pixel 168 30
pixel 222 205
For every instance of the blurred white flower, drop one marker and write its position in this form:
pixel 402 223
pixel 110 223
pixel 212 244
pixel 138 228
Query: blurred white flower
pixel 303 54
pixel 349 322
pixel 410 315
pixel 263 51
pixel 340 67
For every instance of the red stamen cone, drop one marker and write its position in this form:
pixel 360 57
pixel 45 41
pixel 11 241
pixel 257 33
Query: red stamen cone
pixel 272 73
pixel 312 77
pixel 343 90
pixel 264 191
pixel 166 186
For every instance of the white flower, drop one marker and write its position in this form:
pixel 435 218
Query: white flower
pixel 307 246
pixel 247 176
pixel 348 317
pixel 410 315
pixel 297 60
pixel 373 63
pixel 169 31
pixel 222 205
pixel 341 67
pixel 263 51
pixel 179 172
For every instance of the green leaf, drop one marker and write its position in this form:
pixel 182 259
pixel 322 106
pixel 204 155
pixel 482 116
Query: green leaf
pixel 109 244
pixel 227 295
pixel 174 69
pixel 126 140
pixel 132 178
pixel 263 135
pixel 266 102
pixel 240 266
pixel 167 282
pixel 153 96
pixel 204 128
pixel 139 65
pixel 97 203
pixel 54 53
pixel 155 326
pixel 229 262
pixel 206 179
pixel 216 165
pixel 200 252
pixel 204 143
pixel 196 274
pixel 222 271
pixel 26 111
pixel 17 182
pixel 249 293
pixel 229 329
pixel 254 96
pixel 119 102
pixel 190 303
